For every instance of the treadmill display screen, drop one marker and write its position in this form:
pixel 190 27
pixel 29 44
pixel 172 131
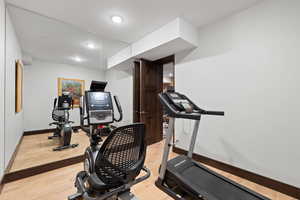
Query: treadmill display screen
pixel 174 95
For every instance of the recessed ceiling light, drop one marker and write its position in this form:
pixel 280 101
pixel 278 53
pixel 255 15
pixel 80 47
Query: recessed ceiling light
pixel 171 74
pixel 116 19
pixel 91 45
pixel 77 59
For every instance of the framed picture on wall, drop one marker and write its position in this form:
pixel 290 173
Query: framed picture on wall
pixel 19 86
pixel 74 86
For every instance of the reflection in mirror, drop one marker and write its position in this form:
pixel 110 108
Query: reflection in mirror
pixel 56 55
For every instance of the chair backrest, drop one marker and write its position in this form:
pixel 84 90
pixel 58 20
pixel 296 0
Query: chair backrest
pixel 122 155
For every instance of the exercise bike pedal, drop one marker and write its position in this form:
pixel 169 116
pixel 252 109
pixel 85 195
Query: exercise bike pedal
pixel 54 136
pixel 74 145
pixel 75 130
pixel 65 147
pixel 76 196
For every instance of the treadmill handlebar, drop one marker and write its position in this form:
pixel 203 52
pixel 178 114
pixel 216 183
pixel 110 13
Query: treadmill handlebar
pixel 220 113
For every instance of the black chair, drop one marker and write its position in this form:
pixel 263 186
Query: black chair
pixel 118 163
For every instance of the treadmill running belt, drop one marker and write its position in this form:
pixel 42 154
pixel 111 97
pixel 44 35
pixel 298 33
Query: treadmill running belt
pixel 215 186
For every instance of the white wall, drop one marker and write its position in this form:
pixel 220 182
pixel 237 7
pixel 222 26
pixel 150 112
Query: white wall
pixel 248 66
pixel 2 63
pixel 13 121
pixel 40 89
pixel 120 83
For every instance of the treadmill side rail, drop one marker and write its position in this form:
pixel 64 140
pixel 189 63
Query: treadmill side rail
pixel 194 138
pixel 167 147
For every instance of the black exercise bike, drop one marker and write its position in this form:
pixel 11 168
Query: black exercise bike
pixel 110 168
pixel 60 116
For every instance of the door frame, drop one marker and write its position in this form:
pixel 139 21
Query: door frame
pixel 137 82
pixel 167 60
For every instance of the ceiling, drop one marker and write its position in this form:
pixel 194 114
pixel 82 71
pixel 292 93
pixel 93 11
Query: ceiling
pixel 54 41
pixel 140 16
pixel 56 28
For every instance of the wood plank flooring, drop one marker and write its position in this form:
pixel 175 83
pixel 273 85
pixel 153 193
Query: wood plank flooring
pixel 58 184
pixel 37 150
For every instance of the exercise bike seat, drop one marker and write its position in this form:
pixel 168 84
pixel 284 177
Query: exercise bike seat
pixel 120 158
pixel 54 123
pixel 58 115
pixel 96 183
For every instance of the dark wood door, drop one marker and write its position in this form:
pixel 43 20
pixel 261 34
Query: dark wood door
pixel 148 83
pixel 136 91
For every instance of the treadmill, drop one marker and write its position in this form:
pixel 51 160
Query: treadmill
pixel 181 177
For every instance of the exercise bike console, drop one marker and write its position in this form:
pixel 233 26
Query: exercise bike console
pixel 99 107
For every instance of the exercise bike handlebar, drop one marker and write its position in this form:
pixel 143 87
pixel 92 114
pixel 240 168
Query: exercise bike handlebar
pixel 72 104
pixel 54 104
pixel 119 109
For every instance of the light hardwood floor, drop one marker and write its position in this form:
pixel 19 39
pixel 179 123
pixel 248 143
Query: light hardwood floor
pixel 36 150
pixel 58 184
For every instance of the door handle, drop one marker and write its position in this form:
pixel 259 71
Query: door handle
pixel 141 112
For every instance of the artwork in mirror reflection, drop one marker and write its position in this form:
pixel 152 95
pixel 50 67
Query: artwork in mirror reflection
pixel 74 86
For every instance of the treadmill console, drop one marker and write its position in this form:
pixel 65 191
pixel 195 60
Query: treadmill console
pixel 180 102
pixel 99 107
pixel 178 105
